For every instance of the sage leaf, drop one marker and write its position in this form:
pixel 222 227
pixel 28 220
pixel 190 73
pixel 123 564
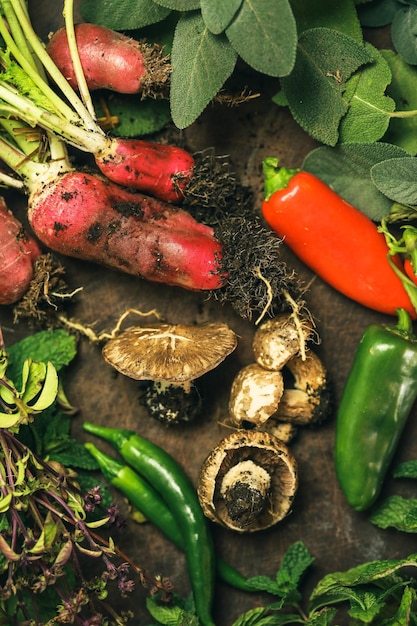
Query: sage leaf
pixel 264 34
pixel 325 61
pixel 404 34
pixel 397 179
pixel 179 5
pixel 340 15
pixel 217 14
pixel 402 131
pixel 347 169
pixel 396 512
pixel 124 14
pixel 136 118
pixel 378 13
pixel 201 64
pixel 367 118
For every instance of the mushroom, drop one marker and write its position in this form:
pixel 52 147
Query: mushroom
pixel 171 356
pixel 254 396
pixel 248 482
pixel 278 340
pixel 309 400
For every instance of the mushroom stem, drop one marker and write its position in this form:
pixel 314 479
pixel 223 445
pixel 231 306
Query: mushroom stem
pixel 245 490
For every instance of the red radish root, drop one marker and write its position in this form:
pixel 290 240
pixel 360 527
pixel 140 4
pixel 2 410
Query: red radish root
pixel 110 60
pixel 162 170
pixel 91 218
pixel 18 254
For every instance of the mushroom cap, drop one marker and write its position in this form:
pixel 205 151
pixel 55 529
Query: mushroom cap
pixel 278 340
pixel 175 353
pixel 271 456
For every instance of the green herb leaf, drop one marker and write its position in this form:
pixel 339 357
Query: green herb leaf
pixel 179 5
pixel 217 14
pixel 378 13
pixel 404 33
pixel 408 469
pixel 124 14
pixel 363 574
pixel 201 62
pixel 136 117
pixel 340 15
pixel 397 179
pixel 402 131
pixel 405 610
pixel 297 559
pixel 347 169
pixel 367 118
pixel 324 618
pixel 74 454
pixel 264 34
pixel 325 61
pixel 170 615
pixel 367 609
pixel 396 512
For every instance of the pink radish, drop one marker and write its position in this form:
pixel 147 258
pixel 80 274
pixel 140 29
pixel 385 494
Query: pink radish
pixel 110 60
pixel 18 253
pixel 91 218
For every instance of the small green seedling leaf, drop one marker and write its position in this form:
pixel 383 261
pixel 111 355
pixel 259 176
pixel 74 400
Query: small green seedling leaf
pixel 201 64
pixel 217 14
pixel 264 34
pixel 397 179
pixel 124 14
pixel 347 169
pixel 404 33
pixel 367 118
pixel 325 61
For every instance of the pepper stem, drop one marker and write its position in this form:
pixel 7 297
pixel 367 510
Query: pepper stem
pixel 404 323
pixel 275 178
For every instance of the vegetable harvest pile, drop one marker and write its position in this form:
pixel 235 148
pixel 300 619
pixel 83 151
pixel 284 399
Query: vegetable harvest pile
pixel 239 458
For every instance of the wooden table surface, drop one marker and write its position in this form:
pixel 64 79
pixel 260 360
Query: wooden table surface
pixel 336 536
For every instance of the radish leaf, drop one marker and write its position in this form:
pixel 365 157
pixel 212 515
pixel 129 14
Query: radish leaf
pixel 264 34
pixel 217 14
pixel 325 61
pixel 368 117
pixel 124 15
pixel 201 63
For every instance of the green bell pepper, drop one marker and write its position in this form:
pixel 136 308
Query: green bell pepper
pixel 377 399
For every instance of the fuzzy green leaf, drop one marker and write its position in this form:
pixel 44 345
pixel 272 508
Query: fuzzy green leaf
pixel 179 5
pixel 325 61
pixel 347 169
pixel 201 64
pixel 295 562
pixel 397 179
pixel 378 13
pixel 340 15
pixel 124 14
pixel 367 118
pixel 402 131
pixel 136 117
pixel 264 34
pixel 408 469
pixel 217 14
pixel 404 34
pixel 396 512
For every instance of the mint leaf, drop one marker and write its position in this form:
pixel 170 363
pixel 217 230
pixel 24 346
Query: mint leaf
pixel 402 615
pixel 396 512
pixel 397 179
pixel 408 469
pixel 339 15
pixel 367 118
pixel 347 169
pixel 201 63
pixel 325 61
pixel 122 15
pixel 264 34
pixel 368 608
pixel 170 615
pixel 402 131
pixel 217 14
pixel 73 454
pixel 297 559
pixel 404 33
pixel 324 618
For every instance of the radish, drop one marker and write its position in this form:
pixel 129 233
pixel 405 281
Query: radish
pixel 158 169
pixel 110 60
pixel 18 254
pixel 90 218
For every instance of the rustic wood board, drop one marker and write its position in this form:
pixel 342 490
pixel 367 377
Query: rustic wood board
pixel 337 537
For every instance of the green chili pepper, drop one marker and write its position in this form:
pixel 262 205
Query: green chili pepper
pixel 147 500
pixel 379 392
pixel 175 488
